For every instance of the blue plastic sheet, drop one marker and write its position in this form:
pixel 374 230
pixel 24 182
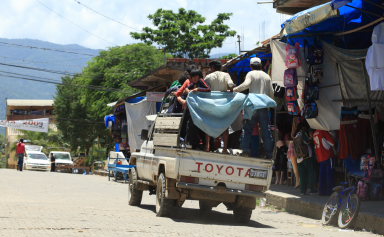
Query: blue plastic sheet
pixel 348 19
pixel 136 99
pixel 214 112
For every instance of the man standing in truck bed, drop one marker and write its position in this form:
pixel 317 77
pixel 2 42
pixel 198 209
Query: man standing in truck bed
pixel 219 81
pixel 257 82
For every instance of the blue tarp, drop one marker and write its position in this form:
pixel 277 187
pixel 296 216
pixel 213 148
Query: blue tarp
pixel 244 65
pixel 136 99
pixel 347 19
pixel 214 112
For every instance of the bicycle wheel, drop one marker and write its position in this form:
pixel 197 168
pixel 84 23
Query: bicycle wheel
pixel 330 209
pixel 348 211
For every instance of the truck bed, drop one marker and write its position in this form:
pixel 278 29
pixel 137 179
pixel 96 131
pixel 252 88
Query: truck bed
pixel 213 169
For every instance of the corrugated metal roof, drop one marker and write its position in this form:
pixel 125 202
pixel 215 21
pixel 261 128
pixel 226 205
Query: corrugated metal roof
pixel 13 102
pixel 291 7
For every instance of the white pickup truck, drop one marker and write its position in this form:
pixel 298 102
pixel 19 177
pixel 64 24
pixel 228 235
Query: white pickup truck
pixel 175 173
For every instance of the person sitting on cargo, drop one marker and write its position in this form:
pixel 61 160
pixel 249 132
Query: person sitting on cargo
pixel 171 99
pixel 219 81
pixel 195 83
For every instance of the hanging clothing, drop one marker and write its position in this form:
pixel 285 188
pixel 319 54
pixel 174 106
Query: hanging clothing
pixel 375 60
pixel 323 145
pixel 135 113
pixel 349 141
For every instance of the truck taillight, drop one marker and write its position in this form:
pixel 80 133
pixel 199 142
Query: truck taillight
pixel 189 179
pixel 255 188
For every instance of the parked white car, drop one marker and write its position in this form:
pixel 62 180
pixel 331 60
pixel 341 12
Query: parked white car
pixel 63 160
pixel 36 160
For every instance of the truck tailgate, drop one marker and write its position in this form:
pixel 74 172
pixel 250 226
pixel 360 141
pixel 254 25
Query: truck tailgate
pixel 226 169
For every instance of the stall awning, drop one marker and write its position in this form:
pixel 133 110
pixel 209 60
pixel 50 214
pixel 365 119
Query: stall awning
pixel 348 24
pixel 307 18
pixel 291 7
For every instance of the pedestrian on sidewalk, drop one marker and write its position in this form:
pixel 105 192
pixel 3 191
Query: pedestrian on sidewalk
pixel 259 82
pixel 305 158
pixel 20 151
pixel 280 164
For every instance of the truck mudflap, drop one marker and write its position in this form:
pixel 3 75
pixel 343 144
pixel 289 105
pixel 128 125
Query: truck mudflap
pixel 219 189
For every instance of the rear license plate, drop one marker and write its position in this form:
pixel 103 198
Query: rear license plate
pixel 259 174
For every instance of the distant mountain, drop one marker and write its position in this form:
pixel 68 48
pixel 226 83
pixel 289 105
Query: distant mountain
pixel 17 88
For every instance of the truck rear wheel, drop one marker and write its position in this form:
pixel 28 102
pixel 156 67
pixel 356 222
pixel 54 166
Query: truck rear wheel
pixel 163 205
pixel 134 195
pixel 205 208
pixel 242 214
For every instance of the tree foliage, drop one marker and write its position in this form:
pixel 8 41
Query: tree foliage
pixel 183 33
pixel 51 139
pixel 229 56
pixel 80 108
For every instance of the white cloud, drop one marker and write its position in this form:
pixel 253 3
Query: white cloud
pixel 182 3
pixel 29 19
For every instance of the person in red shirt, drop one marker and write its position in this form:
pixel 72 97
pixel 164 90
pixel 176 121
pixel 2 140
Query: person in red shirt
pixel 20 151
pixel 324 143
pixel 195 83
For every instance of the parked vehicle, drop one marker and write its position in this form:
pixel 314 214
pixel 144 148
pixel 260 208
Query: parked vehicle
pixel 176 174
pixel 342 206
pixel 63 160
pixel 35 159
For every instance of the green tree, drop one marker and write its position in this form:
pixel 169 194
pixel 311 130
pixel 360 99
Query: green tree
pixel 229 56
pixel 183 33
pixel 46 140
pixel 80 107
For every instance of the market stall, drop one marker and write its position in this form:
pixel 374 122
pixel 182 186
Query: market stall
pixel 320 61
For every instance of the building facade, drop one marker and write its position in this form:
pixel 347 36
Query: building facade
pixel 25 110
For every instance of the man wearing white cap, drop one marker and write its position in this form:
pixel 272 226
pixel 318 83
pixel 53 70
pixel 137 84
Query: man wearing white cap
pixel 257 82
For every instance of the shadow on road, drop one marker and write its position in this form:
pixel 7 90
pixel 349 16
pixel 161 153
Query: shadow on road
pixel 148 207
pixel 190 215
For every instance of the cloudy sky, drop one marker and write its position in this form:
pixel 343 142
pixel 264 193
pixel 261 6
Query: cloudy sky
pixel 68 22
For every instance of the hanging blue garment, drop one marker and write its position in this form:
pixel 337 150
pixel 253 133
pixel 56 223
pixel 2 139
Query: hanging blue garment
pixel 108 119
pixel 214 112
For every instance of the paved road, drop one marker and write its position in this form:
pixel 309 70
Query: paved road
pixel 55 204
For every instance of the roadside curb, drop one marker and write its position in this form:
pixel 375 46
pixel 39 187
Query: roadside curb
pixel 314 208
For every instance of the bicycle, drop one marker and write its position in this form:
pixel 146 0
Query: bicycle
pixel 343 203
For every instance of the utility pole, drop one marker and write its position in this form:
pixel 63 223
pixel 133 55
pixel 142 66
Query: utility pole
pixel 239 41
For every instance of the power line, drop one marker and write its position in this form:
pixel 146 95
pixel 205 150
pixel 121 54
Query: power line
pixel 48 49
pixel 80 27
pixel 39 69
pixel 91 87
pixel 56 62
pixel 105 16
pixel 62 72
pixel 19 74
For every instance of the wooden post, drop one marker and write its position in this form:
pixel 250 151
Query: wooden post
pixel 374 137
